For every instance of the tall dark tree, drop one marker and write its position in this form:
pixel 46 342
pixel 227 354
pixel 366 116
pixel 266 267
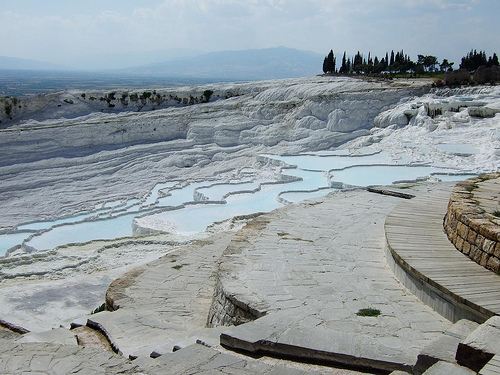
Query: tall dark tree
pixel 446 66
pixel 492 60
pixel 343 67
pixel 473 60
pixel 428 62
pixel 357 64
pixel 325 65
pixel 329 63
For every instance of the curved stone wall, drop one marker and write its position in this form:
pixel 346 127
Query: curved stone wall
pixel 472 230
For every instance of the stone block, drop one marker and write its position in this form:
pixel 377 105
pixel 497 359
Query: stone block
pixel 480 240
pixel 444 347
pixel 475 255
pixel 466 248
pixel 452 235
pixel 471 238
pixel 446 368
pixel 479 225
pixel 493 264
pixel 484 259
pixel 54 336
pixel 496 252
pixel 453 222
pixel 459 243
pixel 488 229
pixel 489 246
pixel 480 345
pixel 472 248
pixel 462 230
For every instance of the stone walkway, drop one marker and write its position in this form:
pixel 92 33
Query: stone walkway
pixel 310 268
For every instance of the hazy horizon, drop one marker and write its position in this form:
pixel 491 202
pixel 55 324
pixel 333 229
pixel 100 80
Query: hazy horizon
pixel 94 32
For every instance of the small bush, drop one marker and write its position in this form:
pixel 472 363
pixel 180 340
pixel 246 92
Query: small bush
pixel 179 266
pixel 470 188
pixel 8 109
pixel 99 309
pixel 368 312
pixel 207 95
pixel 496 213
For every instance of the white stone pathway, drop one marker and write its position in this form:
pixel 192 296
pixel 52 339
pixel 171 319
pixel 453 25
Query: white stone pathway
pixel 311 267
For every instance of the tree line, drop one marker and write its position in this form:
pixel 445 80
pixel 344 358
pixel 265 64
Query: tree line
pixel 400 63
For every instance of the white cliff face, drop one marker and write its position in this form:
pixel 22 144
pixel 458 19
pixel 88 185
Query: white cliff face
pixel 79 158
pixel 457 128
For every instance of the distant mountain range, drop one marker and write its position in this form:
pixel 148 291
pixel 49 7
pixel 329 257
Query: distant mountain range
pixel 133 59
pixel 254 64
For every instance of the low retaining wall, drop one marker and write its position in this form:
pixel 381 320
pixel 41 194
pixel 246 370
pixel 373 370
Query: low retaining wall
pixel 470 228
pixel 227 310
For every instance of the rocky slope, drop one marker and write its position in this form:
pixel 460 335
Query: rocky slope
pixel 66 152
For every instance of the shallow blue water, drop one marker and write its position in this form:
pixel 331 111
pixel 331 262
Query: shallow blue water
pixel 312 169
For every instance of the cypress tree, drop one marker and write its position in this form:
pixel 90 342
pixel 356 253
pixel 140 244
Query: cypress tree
pixel 329 63
pixel 495 60
pixel 343 67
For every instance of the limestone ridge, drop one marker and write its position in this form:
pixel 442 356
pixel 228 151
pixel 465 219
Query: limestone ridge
pixel 314 113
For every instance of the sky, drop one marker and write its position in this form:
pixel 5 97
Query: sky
pixel 68 32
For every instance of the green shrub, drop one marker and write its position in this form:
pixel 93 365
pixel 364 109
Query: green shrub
pixel 368 312
pixel 99 309
pixel 8 109
pixel 207 95
pixel 179 266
